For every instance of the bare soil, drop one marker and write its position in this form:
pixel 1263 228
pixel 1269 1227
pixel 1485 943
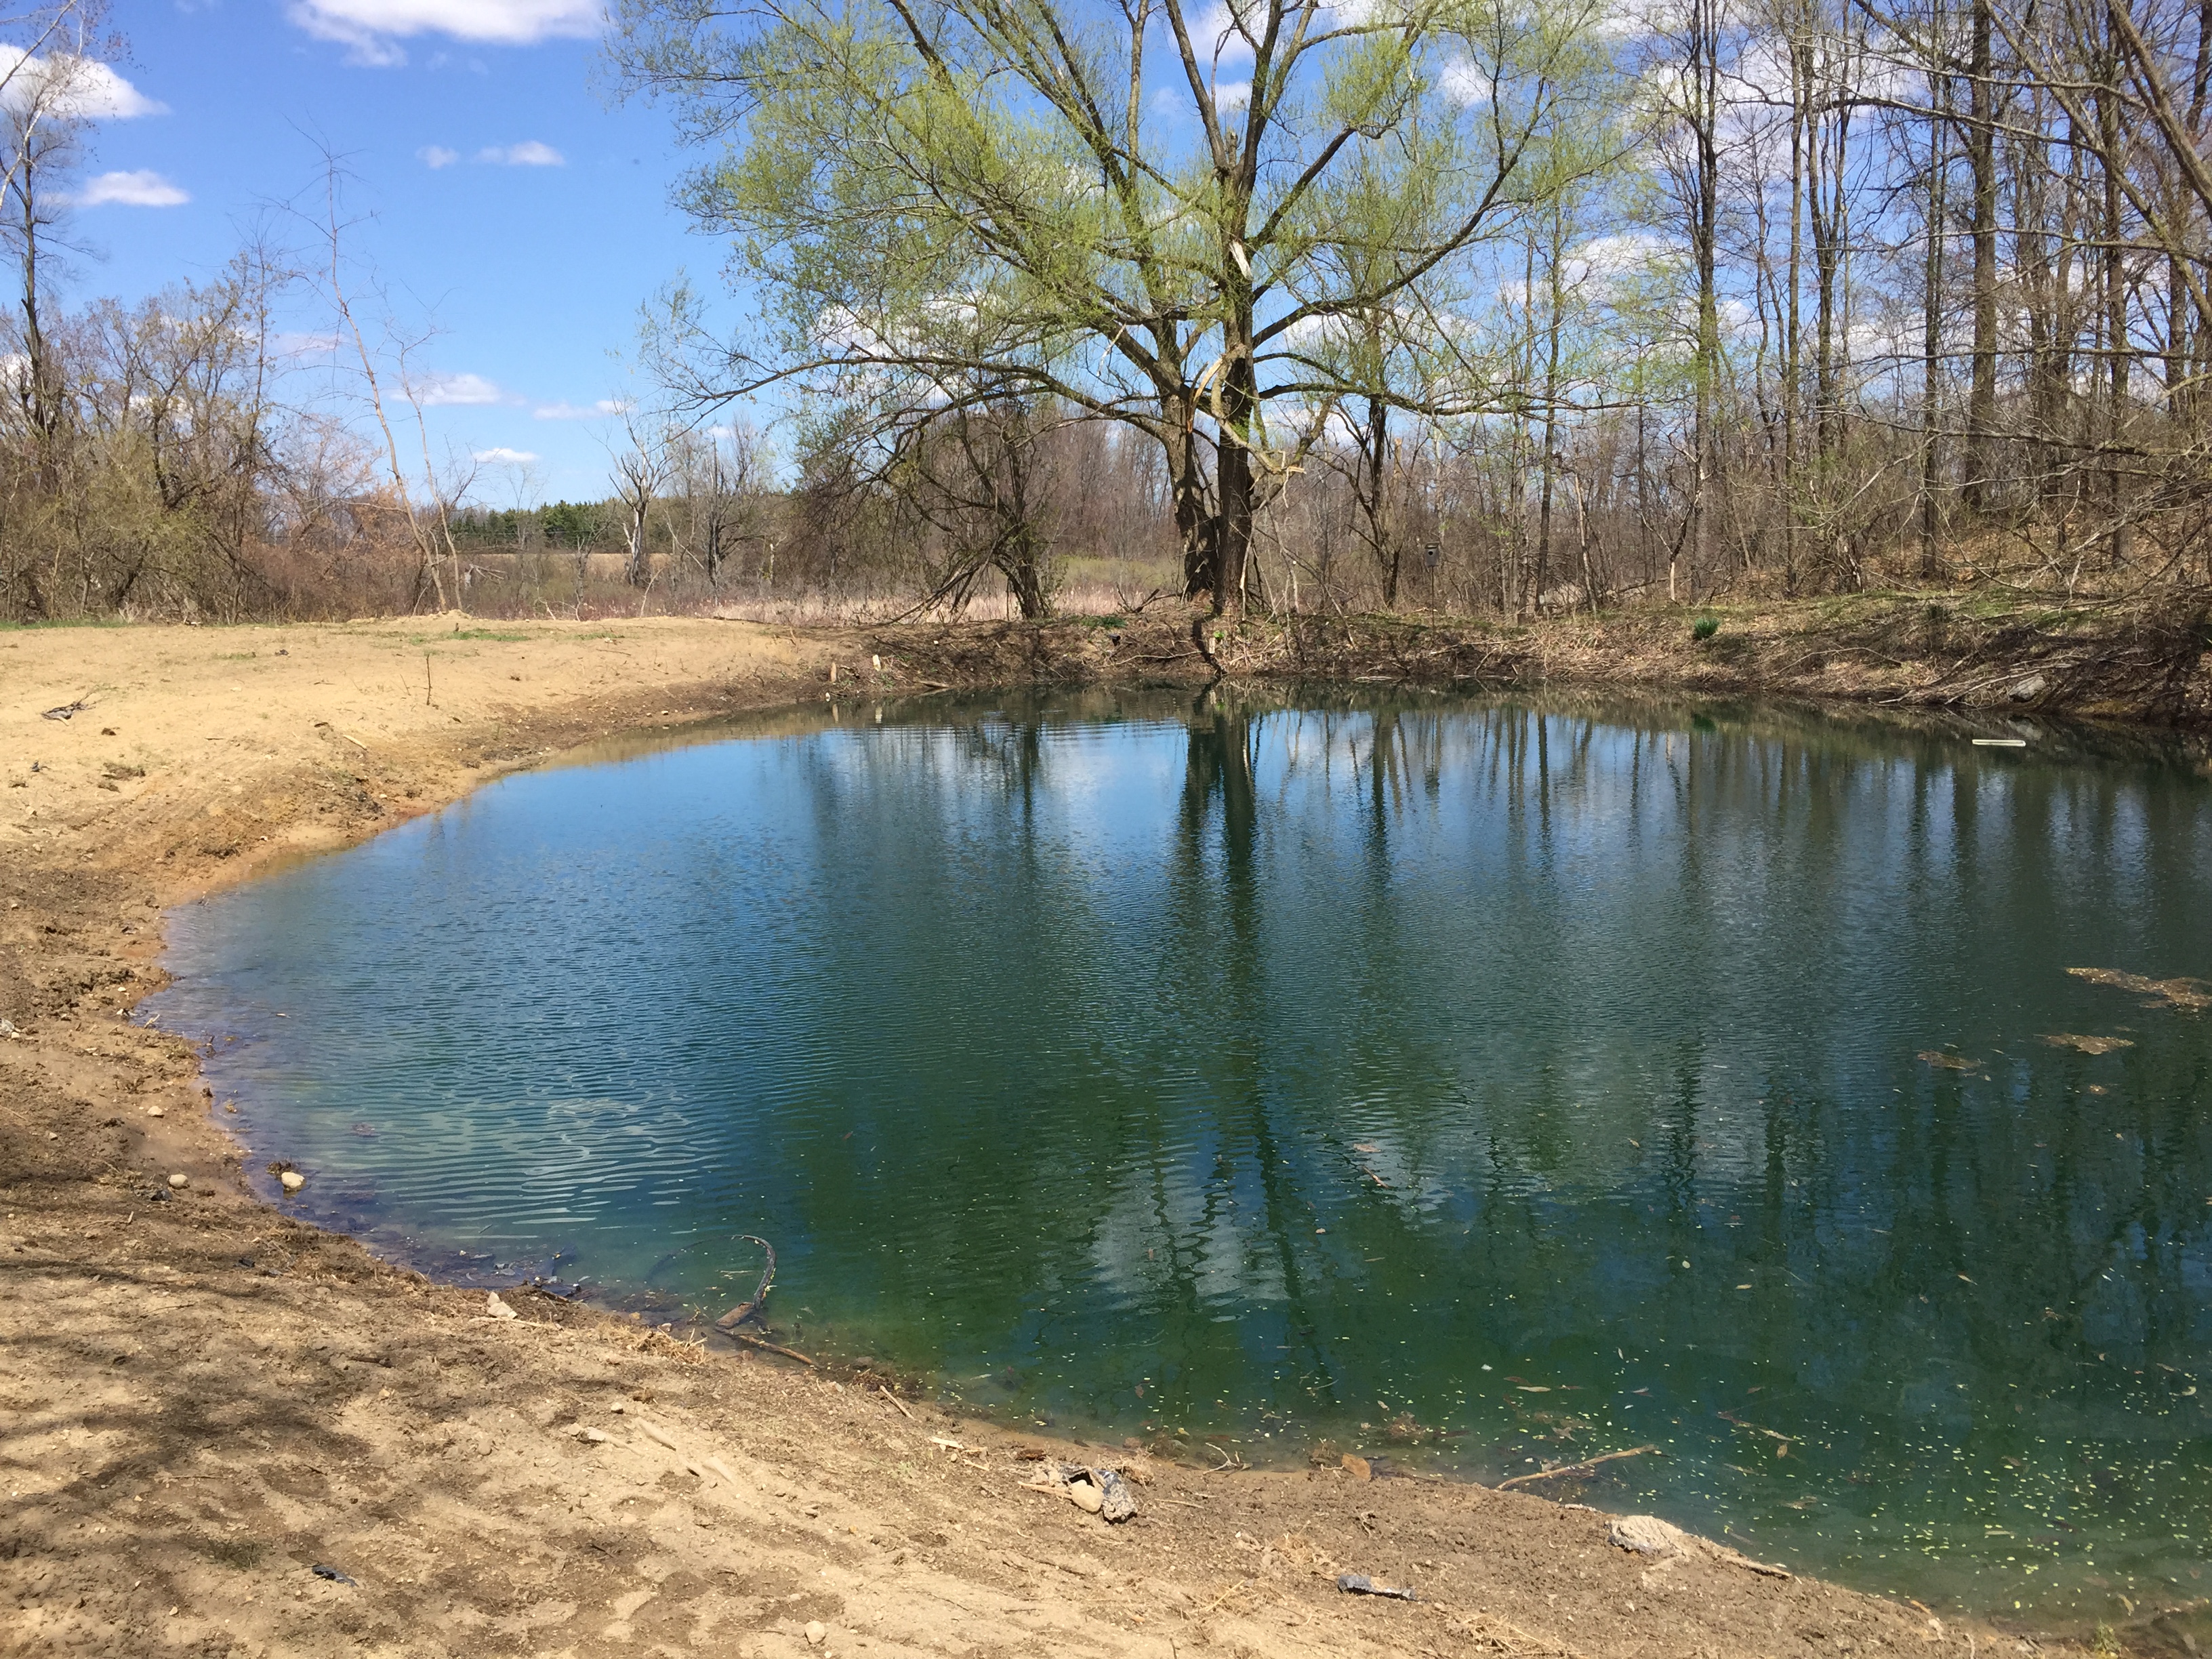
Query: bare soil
pixel 1977 656
pixel 203 1402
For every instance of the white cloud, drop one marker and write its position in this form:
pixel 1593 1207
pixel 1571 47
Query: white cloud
pixel 527 154
pixel 1232 95
pixel 1465 83
pixel 448 389
pixel 568 411
pixel 370 29
pixel 1217 33
pixel 86 89
pixel 434 156
pixel 145 188
pixel 1622 253
pixel 503 456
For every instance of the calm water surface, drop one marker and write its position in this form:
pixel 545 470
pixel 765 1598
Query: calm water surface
pixel 1524 1082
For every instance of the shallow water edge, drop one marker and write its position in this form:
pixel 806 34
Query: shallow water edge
pixel 1710 726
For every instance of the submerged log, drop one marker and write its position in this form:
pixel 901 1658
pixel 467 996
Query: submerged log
pixel 750 1308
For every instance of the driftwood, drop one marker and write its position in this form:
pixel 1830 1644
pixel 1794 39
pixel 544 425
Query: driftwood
pixel 773 1347
pixel 1583 1468
pixel 750 1308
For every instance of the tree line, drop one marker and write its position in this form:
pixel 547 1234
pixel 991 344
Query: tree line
pixel 1506 306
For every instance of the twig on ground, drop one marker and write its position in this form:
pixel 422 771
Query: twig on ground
pixel 1583 1467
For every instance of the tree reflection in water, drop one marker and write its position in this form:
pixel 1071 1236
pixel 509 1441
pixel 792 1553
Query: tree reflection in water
pixel 1538 1078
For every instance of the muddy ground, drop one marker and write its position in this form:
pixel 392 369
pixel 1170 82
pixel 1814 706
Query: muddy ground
pixel 203 1403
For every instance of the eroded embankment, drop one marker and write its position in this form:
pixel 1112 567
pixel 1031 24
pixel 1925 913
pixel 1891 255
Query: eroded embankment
pixel 2143 660
pixel 205 1401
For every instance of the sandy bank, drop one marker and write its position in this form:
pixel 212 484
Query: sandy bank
pixel 202 1401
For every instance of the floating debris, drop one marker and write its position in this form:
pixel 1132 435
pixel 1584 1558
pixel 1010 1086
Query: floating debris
pixel 1950 1062
pixel 2088 1045
pixel 2185 995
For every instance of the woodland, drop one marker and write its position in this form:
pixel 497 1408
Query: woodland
pixel 1512 307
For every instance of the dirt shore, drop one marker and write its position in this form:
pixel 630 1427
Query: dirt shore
pixel 205 1404
pixel 1991 656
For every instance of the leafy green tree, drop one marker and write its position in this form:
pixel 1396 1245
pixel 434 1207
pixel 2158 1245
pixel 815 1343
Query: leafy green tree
pixel 1140 211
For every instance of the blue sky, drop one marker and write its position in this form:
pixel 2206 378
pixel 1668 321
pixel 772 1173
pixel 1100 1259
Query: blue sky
pixel 514 207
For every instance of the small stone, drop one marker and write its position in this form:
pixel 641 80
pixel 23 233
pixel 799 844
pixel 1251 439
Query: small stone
pixel 597 1436
pixel 816 1633
pixel 1085 1496
pixel 292 1181
pixel 157 1111
pixel 2029 690
pixel 499 1310
pixel 1357 1467
pixel 1116 1502
pixel 178 1182
pixel 1647 1534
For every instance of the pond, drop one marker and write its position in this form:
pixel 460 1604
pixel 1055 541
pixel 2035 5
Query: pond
pixel 1478 1085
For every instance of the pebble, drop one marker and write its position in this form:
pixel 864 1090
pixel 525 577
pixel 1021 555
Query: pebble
pixel 157 1111
pixel 293 1180
pixel 180 1182
pixel 816 1633
pixel 499 1310
pixel 597 1436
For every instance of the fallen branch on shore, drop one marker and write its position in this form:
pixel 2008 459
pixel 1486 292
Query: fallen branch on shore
pixel 773 1347
pixel 1585 1468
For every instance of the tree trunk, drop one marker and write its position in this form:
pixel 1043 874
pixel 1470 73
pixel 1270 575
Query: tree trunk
pixel 1931 326
pixel 1194 524
pixel 1704 237
pixel 1233 464
pixel 1981 157
pixel 2116 302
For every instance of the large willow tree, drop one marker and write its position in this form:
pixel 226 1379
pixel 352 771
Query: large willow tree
pixel 1196 223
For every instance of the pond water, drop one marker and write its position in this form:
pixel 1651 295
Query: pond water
pixel 1476 1084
